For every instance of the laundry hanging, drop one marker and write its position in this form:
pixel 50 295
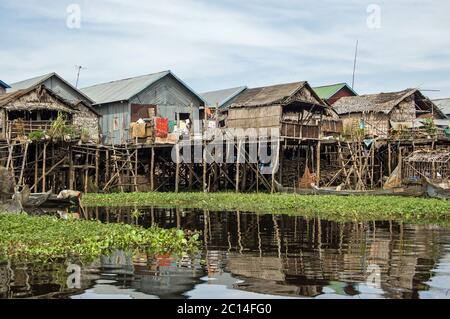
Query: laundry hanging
pixel 161 127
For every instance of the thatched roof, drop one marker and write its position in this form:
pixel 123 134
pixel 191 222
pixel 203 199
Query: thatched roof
pixel 269 95
pixel 380 103
pixel 46 99
pixel 440 156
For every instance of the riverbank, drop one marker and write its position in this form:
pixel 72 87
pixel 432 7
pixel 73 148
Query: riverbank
pixel 327 207
pixel 24 237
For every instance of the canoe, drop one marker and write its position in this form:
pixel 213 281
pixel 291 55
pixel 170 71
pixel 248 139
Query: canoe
pixel 37 199
pixel 333 191
pixel 435 190
pixel 410 191
pixel 291 190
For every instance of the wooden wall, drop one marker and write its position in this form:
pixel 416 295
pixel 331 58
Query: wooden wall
pixel 254 117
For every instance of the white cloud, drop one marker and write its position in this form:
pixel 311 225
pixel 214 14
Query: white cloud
pixel 215 44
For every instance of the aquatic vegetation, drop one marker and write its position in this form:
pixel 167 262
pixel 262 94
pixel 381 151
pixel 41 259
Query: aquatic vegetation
pixel 326 207
pixel 23 237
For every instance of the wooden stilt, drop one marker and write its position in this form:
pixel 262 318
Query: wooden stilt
pixel 71 169
pixel 152 169
pixel 24 161
pixel 319 144
pixel 238 158
pixel 44 174
pixel 97 166
pixel 177 169
pixel 36 164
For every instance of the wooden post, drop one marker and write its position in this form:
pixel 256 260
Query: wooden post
pixel 107 166
pixel 274 165
pixel 97 164
pixel 205 183
pixel 389 159
pixel 24 160
pixel 257 167
pixel 152 169
pixel 44 159
pixel 71 171
pixel 238 158
pixel 205 124
pixel 136 169
pixel 177 169
pixel 319 144
pixel 86 172
pixel 36 164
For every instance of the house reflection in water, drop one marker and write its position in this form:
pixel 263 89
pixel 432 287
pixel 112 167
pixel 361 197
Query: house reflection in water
pixel 250 255
pixel 290 256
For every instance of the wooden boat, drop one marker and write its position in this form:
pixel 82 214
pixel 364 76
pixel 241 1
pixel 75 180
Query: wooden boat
pixel 31 200
pixel 435 190
pixel 334 191
pixel 416 190
pixel 291 190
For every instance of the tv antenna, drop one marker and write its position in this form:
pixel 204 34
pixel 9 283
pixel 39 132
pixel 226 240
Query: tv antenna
pixel 79 68
pixel 354 65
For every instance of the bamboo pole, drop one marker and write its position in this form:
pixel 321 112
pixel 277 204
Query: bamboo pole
pixel 177 169
pixel 152 169
pixel 97 165
pixel 319 144
pixel 24 160
pixel 36 164
pixel 44 174
pixel 86 172
pixel 238 158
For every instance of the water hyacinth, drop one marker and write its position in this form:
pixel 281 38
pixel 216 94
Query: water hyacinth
pixel 342 208
pixel 23 237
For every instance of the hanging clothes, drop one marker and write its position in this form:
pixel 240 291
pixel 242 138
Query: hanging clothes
pixel 161 127
pixel 171 126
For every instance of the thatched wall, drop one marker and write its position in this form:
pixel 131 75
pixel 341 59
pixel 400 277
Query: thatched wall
pixel 404 112
pixel 376 123
pixel 254 117
pixel 87 119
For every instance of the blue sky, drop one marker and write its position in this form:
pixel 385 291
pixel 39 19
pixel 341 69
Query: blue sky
pixel 219 44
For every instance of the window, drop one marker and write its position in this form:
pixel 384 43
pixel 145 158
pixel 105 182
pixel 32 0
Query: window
pixel 116 123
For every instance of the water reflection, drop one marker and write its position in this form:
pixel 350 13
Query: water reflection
pixel 251 255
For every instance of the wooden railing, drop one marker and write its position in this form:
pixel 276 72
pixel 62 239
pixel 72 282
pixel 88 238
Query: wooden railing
pixel 18 128
pixel 332 126
pixel 299 131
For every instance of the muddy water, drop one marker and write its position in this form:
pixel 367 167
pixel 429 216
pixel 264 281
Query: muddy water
pixel 245 255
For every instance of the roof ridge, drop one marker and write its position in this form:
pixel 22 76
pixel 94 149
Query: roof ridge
pixel 126 79
pixel 322 86
pixel 281 84
pixel 231 88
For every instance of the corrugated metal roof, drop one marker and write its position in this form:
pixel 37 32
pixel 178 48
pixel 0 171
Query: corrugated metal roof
pixel 126 89
pixel 220 97
pixel 327 91
pixel 4 85
pixel 122 90
pixel 26 84
pixel 29 83
pixel 444 105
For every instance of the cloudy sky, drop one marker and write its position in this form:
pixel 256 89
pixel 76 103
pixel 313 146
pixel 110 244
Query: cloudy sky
pixel 214 44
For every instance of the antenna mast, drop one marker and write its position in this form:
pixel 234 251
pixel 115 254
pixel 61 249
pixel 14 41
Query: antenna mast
pixel 79 67
pixel 354 65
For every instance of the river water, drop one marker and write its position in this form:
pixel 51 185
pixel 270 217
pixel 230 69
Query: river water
pixel 247 255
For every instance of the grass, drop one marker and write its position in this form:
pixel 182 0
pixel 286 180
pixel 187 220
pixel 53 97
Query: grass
pixel 352 208
pixel 23 237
